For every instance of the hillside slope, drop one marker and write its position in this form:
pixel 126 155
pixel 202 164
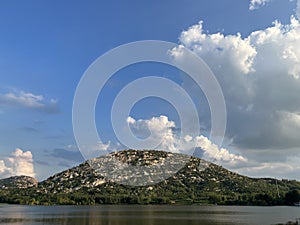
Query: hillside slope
pixel 198 181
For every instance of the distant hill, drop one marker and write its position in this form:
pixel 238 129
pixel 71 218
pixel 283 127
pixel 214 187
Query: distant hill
pixel 197 182
pixel 18 182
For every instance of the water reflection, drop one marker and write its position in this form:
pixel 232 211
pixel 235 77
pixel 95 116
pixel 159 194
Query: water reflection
pixel 144 215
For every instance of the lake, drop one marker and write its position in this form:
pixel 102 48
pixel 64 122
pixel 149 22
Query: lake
pixel 146 215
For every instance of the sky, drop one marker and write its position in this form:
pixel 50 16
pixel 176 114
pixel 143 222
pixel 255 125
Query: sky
pixel 252 47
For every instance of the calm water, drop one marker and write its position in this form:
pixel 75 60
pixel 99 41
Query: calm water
pixel 145 215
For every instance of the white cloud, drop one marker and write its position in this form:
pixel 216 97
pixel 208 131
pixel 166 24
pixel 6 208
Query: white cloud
pixel 163 130
pixel 19 163
pixel 238 51
pixel 213 153
pixel 260 78
pixel 280 43
pixel 255 4
pixel 246 55
pixel 28 100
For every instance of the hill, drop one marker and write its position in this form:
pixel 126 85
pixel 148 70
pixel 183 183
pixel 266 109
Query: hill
pixel 197 182
pixel 18 182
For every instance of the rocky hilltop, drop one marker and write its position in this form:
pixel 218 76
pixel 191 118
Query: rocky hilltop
pixel 18 182
pixel 108 180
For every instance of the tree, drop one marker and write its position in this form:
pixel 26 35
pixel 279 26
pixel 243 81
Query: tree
pixel 292 197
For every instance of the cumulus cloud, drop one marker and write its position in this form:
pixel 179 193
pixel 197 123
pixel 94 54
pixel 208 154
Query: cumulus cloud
pixel 213 153
pixel 259 75
pixel 28 100
pixel 18 163
pixel 260 78
pixel 164 131
pixel 255 4
pixel 238 52
pixel 161 130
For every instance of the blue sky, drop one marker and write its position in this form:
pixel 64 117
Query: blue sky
pixel 46 46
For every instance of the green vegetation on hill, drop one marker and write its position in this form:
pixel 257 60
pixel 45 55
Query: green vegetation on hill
pixel 198 182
